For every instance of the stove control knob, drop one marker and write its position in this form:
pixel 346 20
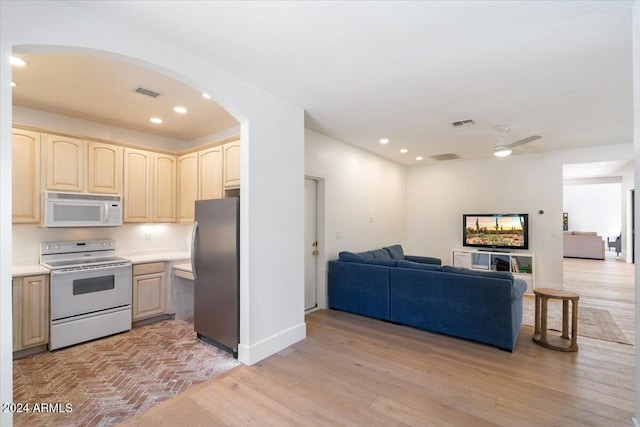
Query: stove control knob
pixel 47 248
pixel 104 244
pixel 56 247
pixel 110 243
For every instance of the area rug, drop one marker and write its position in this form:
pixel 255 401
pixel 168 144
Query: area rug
pixel 592 322
pixel 104 382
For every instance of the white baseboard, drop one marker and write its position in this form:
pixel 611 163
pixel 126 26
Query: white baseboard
pixel 250 354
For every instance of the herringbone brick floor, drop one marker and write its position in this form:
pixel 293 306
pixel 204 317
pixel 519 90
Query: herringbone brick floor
pixel 111 379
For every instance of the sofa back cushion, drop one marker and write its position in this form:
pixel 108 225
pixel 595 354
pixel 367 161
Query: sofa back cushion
pixel 376 254
pixel 395 252
pixel 368 258
pixel 418 265
pixel 347 256
pixel 505 275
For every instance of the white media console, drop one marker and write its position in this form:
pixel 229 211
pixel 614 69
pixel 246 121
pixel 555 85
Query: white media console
pixel 521 264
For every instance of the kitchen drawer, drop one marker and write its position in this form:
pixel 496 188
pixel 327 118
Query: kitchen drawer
pixel 149 268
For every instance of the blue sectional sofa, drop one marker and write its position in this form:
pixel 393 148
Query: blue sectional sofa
pixel 417 291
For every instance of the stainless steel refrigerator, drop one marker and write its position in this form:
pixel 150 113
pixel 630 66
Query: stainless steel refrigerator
pixel 215 261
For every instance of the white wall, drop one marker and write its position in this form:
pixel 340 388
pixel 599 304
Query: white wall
pixel 131 239
pixel 357 187
pixel 272 167
pixel 636 139
pixel 594 207
pixel 439 193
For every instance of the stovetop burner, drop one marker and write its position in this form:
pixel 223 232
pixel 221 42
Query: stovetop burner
pixel 60 255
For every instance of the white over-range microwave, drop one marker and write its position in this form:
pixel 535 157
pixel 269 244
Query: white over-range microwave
pixel 81 210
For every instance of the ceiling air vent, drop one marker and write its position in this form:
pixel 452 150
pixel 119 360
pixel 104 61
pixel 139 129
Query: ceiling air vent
pixel 148 92
pixel 446 156
pixel 458 123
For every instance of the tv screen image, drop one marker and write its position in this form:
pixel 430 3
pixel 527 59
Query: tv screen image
pixel 505 231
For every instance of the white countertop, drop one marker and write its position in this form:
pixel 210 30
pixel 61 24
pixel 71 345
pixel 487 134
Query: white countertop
pixel 183 267
pixel 28 270
pixel 183 270
pixel 35 269
pixel 155 257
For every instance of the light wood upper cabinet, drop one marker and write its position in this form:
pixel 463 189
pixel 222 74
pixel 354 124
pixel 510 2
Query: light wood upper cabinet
pixel 187 186
pixel 232 164
pixel 64 160
pixel 105 168
pixel 30 311
pixel 210 173
pixel 164 187
pixel 137 185
pixel 26 176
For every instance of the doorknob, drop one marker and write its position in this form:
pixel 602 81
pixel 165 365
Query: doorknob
pixel 315 252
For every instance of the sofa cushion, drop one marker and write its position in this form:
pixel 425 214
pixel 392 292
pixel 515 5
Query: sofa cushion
pixel 506 275
pixel 383 262
pixel 418 265
pixel 351 257
pixel 395 252
pixel 375 254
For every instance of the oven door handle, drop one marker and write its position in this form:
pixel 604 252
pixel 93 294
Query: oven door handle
pixel 193 250
pixel 55 273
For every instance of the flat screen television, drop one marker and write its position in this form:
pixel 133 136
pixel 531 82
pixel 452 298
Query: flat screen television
pixel 496 231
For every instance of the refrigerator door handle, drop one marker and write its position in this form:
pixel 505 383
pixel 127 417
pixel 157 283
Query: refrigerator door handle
pixel 193 250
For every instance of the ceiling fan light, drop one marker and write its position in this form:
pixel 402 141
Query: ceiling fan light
pixel 501 151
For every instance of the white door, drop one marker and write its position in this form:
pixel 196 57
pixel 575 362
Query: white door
pixel 310 242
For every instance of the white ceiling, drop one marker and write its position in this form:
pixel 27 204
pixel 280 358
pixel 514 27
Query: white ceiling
pixel 405 70
pixel 102 90
pixel 597 169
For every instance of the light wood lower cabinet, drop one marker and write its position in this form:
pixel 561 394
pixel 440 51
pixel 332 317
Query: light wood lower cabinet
pixel 30 311
pixel 149 290
pixel 26 176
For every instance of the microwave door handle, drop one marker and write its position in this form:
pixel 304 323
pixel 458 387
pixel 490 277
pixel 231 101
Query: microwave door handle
pixel 106 212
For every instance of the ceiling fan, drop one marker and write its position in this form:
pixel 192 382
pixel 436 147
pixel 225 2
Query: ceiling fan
pixel 503 148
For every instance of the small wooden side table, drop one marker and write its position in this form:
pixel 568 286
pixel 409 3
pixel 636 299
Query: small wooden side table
pixel 540 335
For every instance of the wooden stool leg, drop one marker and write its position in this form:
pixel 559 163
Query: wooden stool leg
pixel 543 320
pixel 537 316
pixel 565 319
pixel 574 324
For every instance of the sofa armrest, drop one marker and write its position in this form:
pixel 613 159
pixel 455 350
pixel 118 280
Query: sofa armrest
pixel 423 259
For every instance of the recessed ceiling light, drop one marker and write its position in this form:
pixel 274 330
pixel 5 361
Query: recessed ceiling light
pixel 419 158
pixel 14 84
pixel 404 150
pixel 18 62
pixel 206 95
pixel 384 140
pixel 156 120
pixel 180 110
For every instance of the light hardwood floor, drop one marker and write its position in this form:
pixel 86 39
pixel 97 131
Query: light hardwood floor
pixel 357 371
